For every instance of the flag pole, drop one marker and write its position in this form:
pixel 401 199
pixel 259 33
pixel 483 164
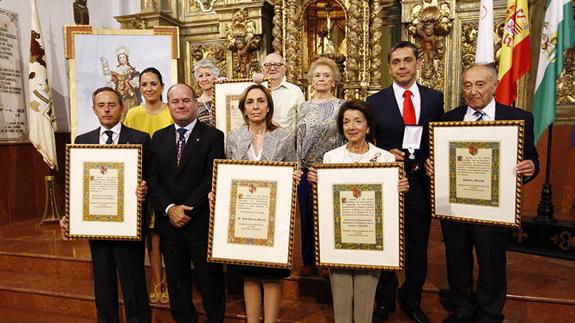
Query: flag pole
pixel 545 209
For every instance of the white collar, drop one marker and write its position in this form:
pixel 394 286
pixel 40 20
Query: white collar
pixel 489 110
pixel 398 90
pixel 115 129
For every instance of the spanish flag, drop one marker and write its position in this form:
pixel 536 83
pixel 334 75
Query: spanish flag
pixel 515 59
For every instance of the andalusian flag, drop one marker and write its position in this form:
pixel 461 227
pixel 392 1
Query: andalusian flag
pixel 557 36
pixel 515 59
pixel 41 121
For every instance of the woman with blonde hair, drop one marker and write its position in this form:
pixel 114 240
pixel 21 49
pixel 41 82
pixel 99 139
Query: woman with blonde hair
pixel 316 134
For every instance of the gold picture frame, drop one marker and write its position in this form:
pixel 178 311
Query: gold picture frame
pixel 252 217
pixel 370 192
pixel 101 182
pixel 94 61
pixel 474 177
pixel 226 114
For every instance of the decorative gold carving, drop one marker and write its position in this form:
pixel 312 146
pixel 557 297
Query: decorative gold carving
pixel 205 5
pixel 138 23
pixel 376 32
pixel 151 5
pixel 468 43
pixel 430 22
pixel 566 81
pixel 292 40
pixel 277 28
pixel 243 42
pixel 564 240
pixel 354 33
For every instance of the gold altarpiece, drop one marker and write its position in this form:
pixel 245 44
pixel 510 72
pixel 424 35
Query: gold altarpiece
pixel 238 34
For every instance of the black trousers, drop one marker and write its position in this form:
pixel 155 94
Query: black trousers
pixel 178 256
pixel 125 259
pixel 490 247
pixel 417 225
pixel 306 213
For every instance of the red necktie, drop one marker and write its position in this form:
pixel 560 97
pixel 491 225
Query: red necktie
pixel 408 109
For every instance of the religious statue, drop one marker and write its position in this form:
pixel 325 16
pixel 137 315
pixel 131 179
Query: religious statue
pixel 242 41
pixel 81 14
pixel 124 78
pixel 430 21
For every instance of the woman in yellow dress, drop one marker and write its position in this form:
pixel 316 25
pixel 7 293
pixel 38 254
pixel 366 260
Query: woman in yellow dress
pixel 150 116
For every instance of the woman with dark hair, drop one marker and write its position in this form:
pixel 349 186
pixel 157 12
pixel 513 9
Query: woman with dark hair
pixel 353 290
pixel 261 139
pixel 150 116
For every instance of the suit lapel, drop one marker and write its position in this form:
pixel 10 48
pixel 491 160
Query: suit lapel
pixel 124 135
pixel 423 110
pixel 169 145
pixel 500 112
pixel 394 108
pixel 270 141
pixel 192 142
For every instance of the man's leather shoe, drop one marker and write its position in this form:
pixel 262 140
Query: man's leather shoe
pixel 415 314
pixel 382 312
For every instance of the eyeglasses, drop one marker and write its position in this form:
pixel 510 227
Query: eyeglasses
pixel 274 65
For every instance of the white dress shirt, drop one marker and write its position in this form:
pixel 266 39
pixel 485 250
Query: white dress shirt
pixel 415 99
pixel 489 112
pixel 115 136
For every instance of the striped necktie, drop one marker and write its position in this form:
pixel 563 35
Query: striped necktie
pixel 181 142
pixel 109 133
pixel 478 115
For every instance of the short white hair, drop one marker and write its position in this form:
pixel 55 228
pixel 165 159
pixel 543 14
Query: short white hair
pixel 206 63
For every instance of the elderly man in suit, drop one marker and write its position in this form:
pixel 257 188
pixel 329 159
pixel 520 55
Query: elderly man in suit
pixel 180 181
pixel 407 103
pixel 479 85
pixel 117 258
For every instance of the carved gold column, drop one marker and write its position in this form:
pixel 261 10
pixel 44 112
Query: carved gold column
pixel 293 27
pixel 383 29
pixel 277 27
pixel 354 44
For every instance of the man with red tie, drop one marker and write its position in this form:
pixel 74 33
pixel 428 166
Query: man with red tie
pixel 406 103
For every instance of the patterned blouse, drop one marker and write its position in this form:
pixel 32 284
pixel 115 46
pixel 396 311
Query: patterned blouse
pixel 317 131
pixel 205 114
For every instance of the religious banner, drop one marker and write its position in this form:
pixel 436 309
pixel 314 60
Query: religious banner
pixel 474 177
pixel 42 122
pixel 359 216
pixel 12 101
pixel 101 181
pixel 252 214
pixel 115 58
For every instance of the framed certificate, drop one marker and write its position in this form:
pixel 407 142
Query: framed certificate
pixel 252 219
pixel 474 178
pixel 101 182
pixel 359 216
pixel 226 104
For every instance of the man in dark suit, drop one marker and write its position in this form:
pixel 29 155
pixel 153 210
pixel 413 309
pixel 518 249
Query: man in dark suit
pixel 407 103
pixel 479 85
pixel 125 257
pixel 180 181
